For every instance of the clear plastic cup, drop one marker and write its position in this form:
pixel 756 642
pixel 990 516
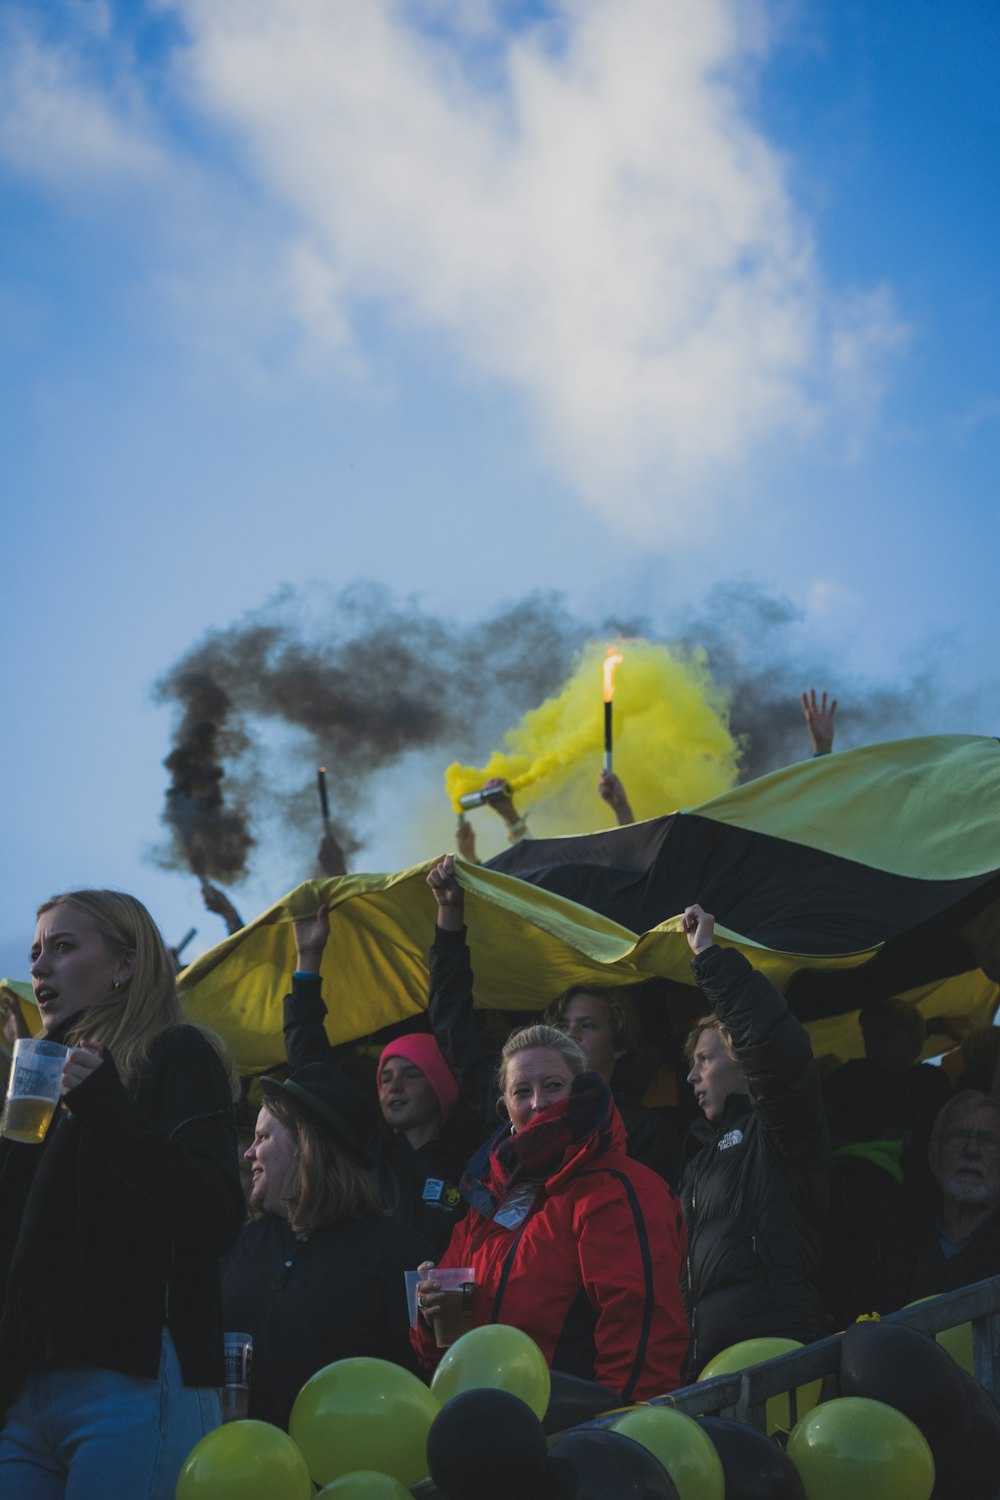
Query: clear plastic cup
pixel 234 1397
pixel 33 1089
pixel 457 1283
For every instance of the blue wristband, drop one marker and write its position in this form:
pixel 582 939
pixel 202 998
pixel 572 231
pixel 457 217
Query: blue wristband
pixel 302 974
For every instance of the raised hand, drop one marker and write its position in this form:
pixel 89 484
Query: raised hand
pixel 611 789
pixel 331 856
pixel 311 934
pixel 465 840
pixel 218 902
pixel 699 927
pixel 14 1025
pixel 448 894
pixel 819 721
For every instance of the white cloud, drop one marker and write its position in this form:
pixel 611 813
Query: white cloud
pixel 61 125
pixel 608 234
pixel 581 211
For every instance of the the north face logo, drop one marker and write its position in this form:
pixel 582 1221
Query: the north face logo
pixel 731 1138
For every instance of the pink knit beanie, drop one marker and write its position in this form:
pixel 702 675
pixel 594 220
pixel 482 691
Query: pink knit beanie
pixel 419 1048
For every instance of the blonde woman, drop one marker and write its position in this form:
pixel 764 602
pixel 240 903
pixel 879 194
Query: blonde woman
pixel 111 1229
pixel 571 1240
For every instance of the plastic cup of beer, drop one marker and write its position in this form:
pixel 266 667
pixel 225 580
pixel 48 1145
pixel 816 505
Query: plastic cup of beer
pixel 33 1090
pixel 457 1285
pixel 234 1397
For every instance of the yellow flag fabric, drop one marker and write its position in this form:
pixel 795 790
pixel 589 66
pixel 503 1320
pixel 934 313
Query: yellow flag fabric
pixel 921 810
pixel 924 807
pixel 22 991
pixel 527 946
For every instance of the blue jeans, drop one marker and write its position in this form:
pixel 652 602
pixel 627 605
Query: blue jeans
pixel 77 1432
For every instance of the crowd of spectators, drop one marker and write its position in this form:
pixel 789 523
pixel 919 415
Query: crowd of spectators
pixel 633 1240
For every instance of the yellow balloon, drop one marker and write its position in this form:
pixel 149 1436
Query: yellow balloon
pixel 757 1352
pixel 245 1461
pixel 857 1449
pixel 498 1358
pixel 365 1484
pixel 683 1448
pixel 359 1413
pixel 957 1341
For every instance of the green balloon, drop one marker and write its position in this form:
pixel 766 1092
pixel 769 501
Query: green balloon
pixel 857 1449
pixel 365 1484
pixel 957 1341
pixel 245 1461
pixel 495 1357
pixel 683 1448
pixel 359 1413
pixel 756 1352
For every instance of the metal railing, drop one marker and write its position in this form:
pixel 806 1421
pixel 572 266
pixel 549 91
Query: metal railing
pixel 743 1395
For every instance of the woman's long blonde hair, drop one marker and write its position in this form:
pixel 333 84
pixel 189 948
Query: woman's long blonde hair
pixel 130 1018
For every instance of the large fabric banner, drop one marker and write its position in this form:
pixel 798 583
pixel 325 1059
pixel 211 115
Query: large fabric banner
pixel 869 872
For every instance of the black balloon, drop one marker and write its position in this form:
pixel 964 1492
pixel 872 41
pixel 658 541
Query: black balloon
pixel 905 1369
pixel 754 1466
pixel 593 1463
pixel 913 1373
pixel 486 1445
pixel 572 1401
pixel 967 1457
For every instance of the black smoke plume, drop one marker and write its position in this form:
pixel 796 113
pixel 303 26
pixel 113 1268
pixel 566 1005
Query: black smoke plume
pixel 356 681
pixel 753 643
pixel 211 839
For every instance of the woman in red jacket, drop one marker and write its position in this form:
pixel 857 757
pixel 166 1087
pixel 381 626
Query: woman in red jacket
pixel 571 1240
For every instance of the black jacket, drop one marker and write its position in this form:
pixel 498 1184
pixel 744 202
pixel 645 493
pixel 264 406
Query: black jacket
pixel 111 1229
pixel 418 1185
pixel 977 1257
pixel 755 1189
pixel 337 1294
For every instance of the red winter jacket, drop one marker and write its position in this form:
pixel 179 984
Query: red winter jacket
pixel 592 1272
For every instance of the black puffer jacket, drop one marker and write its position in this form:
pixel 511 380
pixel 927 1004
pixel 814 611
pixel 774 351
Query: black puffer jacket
pixel 755 1185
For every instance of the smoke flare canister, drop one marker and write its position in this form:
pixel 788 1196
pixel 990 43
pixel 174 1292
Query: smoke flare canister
pixel 483 795
pixel 611 661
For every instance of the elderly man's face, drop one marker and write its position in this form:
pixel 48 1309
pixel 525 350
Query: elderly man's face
pixel 966 1158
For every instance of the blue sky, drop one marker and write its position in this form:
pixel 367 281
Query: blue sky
pixel 624 299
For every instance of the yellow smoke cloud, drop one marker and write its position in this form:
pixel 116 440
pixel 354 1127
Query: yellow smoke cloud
pixel 672 745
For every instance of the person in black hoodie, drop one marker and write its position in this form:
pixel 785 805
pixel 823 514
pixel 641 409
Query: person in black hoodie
pixel 111 1228
pixel 755 1178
